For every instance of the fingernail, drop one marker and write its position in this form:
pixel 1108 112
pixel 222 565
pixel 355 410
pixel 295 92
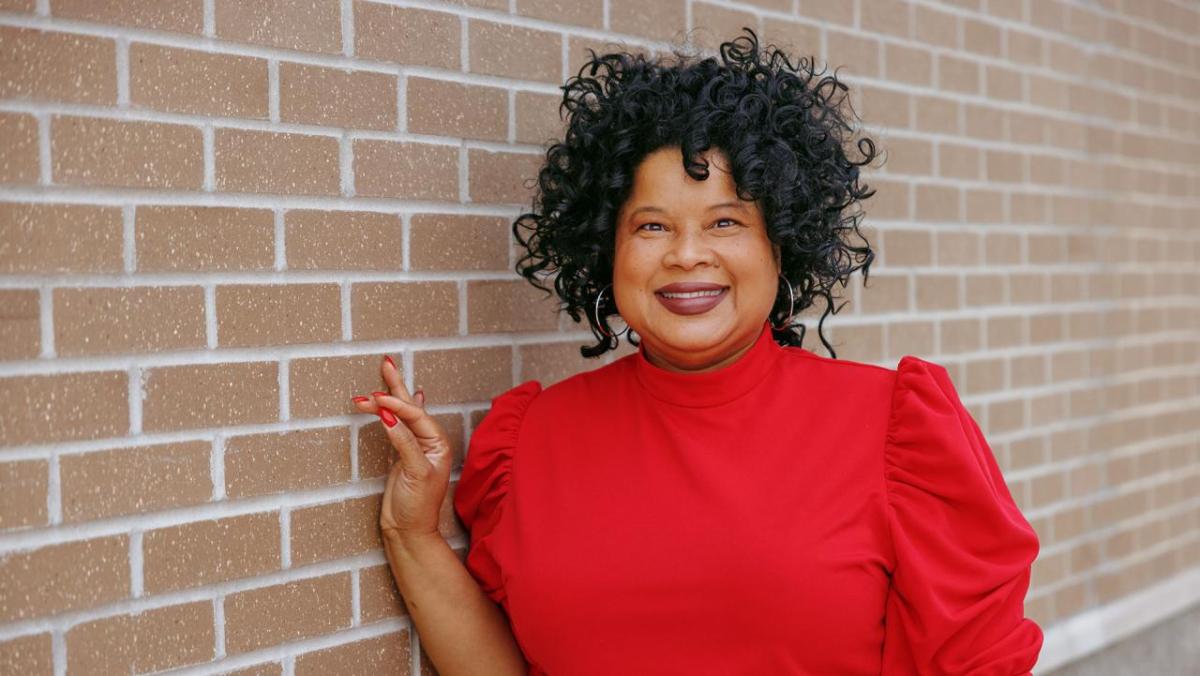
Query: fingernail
pixel 360 399
pixel 388 418
pixel 420 395
pixel 389 360
pixel 380 394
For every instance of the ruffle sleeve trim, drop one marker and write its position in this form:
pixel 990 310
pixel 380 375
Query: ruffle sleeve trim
pixel 484 481
pixel 962 548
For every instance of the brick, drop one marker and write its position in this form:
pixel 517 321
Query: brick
pixel 375 450
pixel 384 654
pixel 272 615
pixel 200 83
pixel 715 24
pixel 208 552
pixel 267 669
pixel 61 577
pixel 514 51
pixel 135 480
pixel 496 305
pixel 405 170
pixel 390 310
pixel 23 493
pixel 181 16
pixel 589 14
pixel 48 408
pixel 458 242
pixel 27 655
pixel 538 120
pixel 405 35
pixel 157 639
pixel 322 386
pixel 19 154
pixel 464 374
pixel 344 240
pixel 552 362
pixel 379 599
pixel 278 314
pixel 259 464
pixel 305 25
pixel 272 162
pixel 499 177
pixel 203 239
pixel 18 5
pixel 96 320
pixel 656 20
pixel 45 65
pixel 457 109
pixel 334 97
pixel 56 238
pixel 210 395
pixel 336 530
pixel 102 152
pixel 20 324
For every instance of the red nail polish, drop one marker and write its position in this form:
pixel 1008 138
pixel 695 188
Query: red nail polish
pixel 360 399
pixel 388 418
pixel 389 360
pixel 380 394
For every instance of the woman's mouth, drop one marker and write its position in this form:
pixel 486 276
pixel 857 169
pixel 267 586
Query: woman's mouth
pixel 692 302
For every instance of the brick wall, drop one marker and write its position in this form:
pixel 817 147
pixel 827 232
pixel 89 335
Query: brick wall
pixel 216 215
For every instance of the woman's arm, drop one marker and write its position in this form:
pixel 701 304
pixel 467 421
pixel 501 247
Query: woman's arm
pixel 464 632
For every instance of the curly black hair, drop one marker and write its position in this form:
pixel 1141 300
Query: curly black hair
pixel 783 133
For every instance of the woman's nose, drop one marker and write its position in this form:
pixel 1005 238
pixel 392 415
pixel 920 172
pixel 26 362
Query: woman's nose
pixel 689 249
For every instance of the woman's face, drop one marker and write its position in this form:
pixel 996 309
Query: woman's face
pixel 674 229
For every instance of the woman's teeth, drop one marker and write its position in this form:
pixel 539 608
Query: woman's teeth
pixel 693 294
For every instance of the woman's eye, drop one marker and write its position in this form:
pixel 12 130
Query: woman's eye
pixel 647 225
pixel 727 220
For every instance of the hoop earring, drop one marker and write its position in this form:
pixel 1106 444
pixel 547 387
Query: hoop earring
pixel 596 316
pixel 791 306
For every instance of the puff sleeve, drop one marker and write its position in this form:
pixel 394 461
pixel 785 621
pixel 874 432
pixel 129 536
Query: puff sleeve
pixel 963 550
pixel 484 481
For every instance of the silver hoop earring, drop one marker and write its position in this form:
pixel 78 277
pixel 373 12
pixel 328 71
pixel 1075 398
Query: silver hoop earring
pixel 596 316
pixel 791 306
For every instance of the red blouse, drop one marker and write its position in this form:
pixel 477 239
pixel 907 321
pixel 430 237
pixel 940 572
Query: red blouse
pixel 786 514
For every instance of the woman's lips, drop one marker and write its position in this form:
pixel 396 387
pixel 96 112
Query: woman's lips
pixel 692 306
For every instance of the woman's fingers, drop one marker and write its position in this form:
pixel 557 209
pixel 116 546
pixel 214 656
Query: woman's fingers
pixel 391 375
pixel 423 426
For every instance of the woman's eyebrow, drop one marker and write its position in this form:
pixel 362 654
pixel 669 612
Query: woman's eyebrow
pixel 660 210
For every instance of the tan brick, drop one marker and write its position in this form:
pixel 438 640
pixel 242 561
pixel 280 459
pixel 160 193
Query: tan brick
pixel 157 639
pixel 95 320
pixel 322 386
pixel 715 24
pixel 463 375
pixel 23 494
pixel 457 109
pixel 207 552
pixel 458 242
pixel 384 654
pixel 932 27
pixel 982 37
pixel 406 170
pixel 257 464
pixel 210 395
pixel 938 203
pixel 266 669
pixel 551 362
pixel 20 324
pixel 278 314
pixel 60 577
pixel 938 292
pixel 272 162
pixel 18 5
pixel 94 151
pixel 182 16
pixel 135 480
pixel 344 240
pixel 335 97
pixel 379 597
pixel 391 310
pixel 48 408
pixel 201 83
pixel 27 655
pixel 336 530
pixel 538 120
pixel 19 153
pixel 656 20
pixel 375 451
pixel 204 239
pixel 287 612
pixel 55 66
pixel 305 25
pixel 887 17
pixel 497 305
pixel 498 177
pixel 52 238
pixel 514 51
pixel 589 14
pixel 407 35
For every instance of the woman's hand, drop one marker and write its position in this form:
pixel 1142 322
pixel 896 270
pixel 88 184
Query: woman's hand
pixel 420 474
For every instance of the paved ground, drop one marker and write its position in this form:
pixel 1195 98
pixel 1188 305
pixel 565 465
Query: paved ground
pixel 1168 649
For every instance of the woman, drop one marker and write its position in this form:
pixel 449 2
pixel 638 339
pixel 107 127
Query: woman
pixel 722 501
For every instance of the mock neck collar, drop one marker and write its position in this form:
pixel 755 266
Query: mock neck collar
pixel 710 388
